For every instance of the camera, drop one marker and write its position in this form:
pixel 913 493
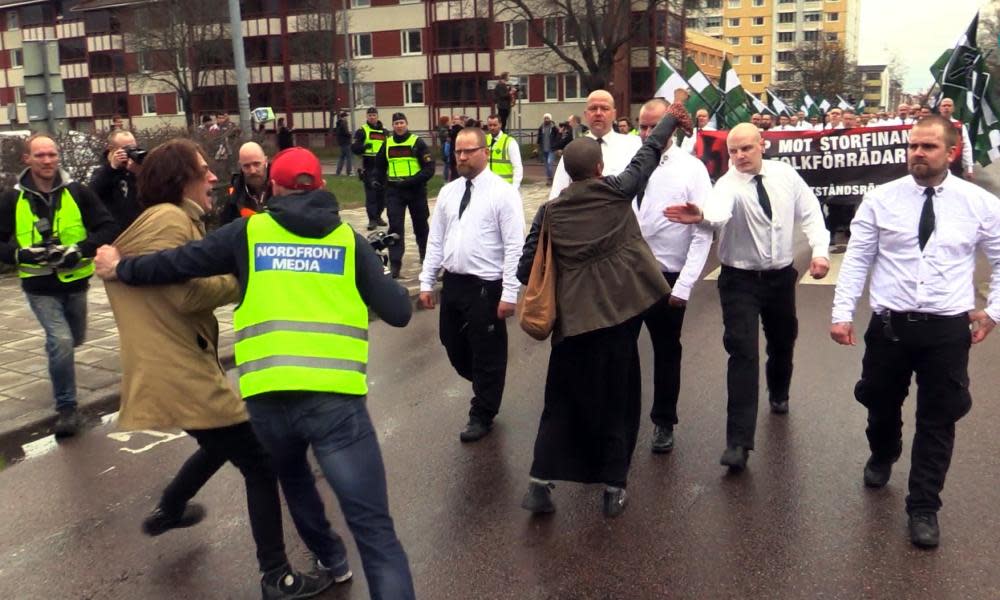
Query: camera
pixel 136 153
pixel 381 240
pixel 54 253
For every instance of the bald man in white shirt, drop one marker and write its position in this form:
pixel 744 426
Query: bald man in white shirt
pixel 617 149
pixel 756 205
pixel 947 108
pixel 918 235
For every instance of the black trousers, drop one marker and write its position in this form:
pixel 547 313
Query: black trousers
pixel 839 217
pixel 938 352
pixel 238 445
pixel 398 200
pixel 503 114
pixel 664 323
pixel 750 299
pixel 476 341
pixel 374 201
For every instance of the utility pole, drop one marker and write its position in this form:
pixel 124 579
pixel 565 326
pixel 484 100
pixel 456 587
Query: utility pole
pixel 348 70
pixel 240 66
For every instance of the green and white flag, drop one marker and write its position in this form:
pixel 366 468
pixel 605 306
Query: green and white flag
pixel 825 106
pixel 986 128
pixel 704 93
pixel 733 110
pixel 843 104
pixel 777 104
pixel 860 108
pixel 756 104
pixel 668 81
pixel 958 72
pixel 809 105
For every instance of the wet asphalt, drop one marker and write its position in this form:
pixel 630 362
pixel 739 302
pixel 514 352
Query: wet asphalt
pixel 797 524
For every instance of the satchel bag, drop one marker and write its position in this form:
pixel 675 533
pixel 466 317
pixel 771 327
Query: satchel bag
pixel 536 309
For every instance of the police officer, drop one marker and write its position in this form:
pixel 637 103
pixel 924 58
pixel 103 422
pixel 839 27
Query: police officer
pixel 50 227
pixel 308 281
pixel 368 143
pixel 408 165
pixel 505 154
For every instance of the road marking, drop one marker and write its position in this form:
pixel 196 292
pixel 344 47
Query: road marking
pixel 126 436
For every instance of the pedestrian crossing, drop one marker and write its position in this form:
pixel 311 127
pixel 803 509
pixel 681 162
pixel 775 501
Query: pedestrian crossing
pixel 836 260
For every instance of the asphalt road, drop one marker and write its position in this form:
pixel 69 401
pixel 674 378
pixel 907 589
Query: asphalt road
pixel 797 524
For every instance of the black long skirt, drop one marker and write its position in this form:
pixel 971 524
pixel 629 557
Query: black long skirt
pixel 593 399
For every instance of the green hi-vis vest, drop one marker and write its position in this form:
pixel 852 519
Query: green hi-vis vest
pixel 67 227
pixel 499 157
pixel 402 157
pixel 302 325
pixel 634 131
pixel 374 138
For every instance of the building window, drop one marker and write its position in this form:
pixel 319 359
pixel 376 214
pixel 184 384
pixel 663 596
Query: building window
pixel 467 34
pixel 515 34
pixel 551 88
pixel 461 90
pixel 361 3
pixel 810 36
pixel 783 76
pixel 812 17
pixel 786 17
pixel 711 22
pixel 786 37
pixel 574 91
pixel 734 22
pixel 72 50
pixel 361 45
pixel 758 21
pixel 757 59
pixel 13 22
pixel 756 78
pixel 758 3
pixel 734 41
pixel 786 1
pixel 692 23
pixel 412 41
pixel 16 58
pixel 364 94
pixel 785 56
pixel 831 36
pixel 521 83
pixel 735 60
pixel 144 61
pixel 833 16
pixel 552 30
pixel 19 95
pixel 713 4
pixel 148 104
pixel 77 90
pixel 757 40
pixel 734 3
pixel 408 1
pixel 413 93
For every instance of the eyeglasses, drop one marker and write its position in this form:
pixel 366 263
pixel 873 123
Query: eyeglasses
pixel 468 151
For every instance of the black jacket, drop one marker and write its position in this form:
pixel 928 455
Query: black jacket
pixel 423 155
pixel 285 138
pixel 239 199
pixel 117 190
pixel 343 132
pixel 224 251
pixel 553 138
pixel 101 227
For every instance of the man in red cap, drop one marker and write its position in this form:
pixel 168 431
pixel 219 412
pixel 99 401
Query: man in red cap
pixel 307 281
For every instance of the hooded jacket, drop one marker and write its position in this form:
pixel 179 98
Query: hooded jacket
pixel 101 227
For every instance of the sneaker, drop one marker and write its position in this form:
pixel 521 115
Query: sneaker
pixel 339 573
pixel 285 584
pixel 538 499
pixel 160 521
pixel 67 423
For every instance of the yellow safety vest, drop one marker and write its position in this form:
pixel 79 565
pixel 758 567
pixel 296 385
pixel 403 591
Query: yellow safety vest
pixel 500 157
pixel 374 138
pixel 302 325
pixel 67 227
pixel 402 157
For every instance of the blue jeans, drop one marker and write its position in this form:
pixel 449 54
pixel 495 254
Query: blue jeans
pixel 345 159
pixel 64 319
pixel 446 161
pixel 343 441
pixel 549 159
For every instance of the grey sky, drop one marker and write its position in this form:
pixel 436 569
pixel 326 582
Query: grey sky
pixel 916 32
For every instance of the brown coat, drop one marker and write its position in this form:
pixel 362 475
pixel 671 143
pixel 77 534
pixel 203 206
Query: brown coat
pixel 605 272
pixel 169 336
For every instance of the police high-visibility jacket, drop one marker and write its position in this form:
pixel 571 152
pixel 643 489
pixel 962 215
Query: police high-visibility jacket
pixel 302 325
pixel 402 157
pixel 500 157
pixel 374 138
pixel 67 227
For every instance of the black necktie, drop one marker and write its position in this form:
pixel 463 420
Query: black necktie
pixel 926 227
pixel 762 197
pixel 465 197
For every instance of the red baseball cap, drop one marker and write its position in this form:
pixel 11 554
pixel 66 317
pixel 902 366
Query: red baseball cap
pixel 289 165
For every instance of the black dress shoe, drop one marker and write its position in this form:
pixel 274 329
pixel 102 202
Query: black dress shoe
pixel 159 522
pixel 735 457
pixel 475 431
pixel 538 500
pixel 924 530
pixel 381 222
pixel 372 225
pixel 663 439
pixel 615 499
pixel 877 473
pixel 779 407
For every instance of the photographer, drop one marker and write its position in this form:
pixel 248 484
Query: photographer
pixel 114 182
pixel 50 227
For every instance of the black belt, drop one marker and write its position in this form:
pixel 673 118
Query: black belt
pixel 462 277
pixel 918 317
pixel 765 274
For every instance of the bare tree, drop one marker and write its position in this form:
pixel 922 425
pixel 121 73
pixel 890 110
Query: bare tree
pixel 180 42
pixel 586 35
pixel 824 70
pixel 313 47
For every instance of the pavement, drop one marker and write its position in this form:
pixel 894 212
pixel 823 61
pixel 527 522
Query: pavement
pixel 26 404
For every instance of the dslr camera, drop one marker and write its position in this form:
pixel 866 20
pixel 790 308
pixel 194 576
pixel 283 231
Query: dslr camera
pixel 136 153
pixel 53 253
pixel 381 241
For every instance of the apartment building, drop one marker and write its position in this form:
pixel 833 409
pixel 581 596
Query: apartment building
pixel 763 34
pixel 877 88
pixel 426 58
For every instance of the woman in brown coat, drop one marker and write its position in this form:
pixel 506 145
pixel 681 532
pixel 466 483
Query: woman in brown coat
pixel 172 378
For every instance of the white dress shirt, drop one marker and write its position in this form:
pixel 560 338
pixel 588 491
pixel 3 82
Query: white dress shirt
pixel 937 280
pixel 486 242
pixel 678 248
pixel 690 143
pixel 514 152
pixel 617 151
pixel 748 239
pixel 966 148
pixel 899 121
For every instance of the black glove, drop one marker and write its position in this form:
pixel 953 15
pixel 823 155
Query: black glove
pixel 71 257
pixel 35 255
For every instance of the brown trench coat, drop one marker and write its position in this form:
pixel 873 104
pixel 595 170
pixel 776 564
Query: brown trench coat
pixel 169 335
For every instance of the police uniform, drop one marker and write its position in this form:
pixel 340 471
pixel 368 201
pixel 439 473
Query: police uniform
pixel 408 165
pixel 505 158
pixel 368 142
